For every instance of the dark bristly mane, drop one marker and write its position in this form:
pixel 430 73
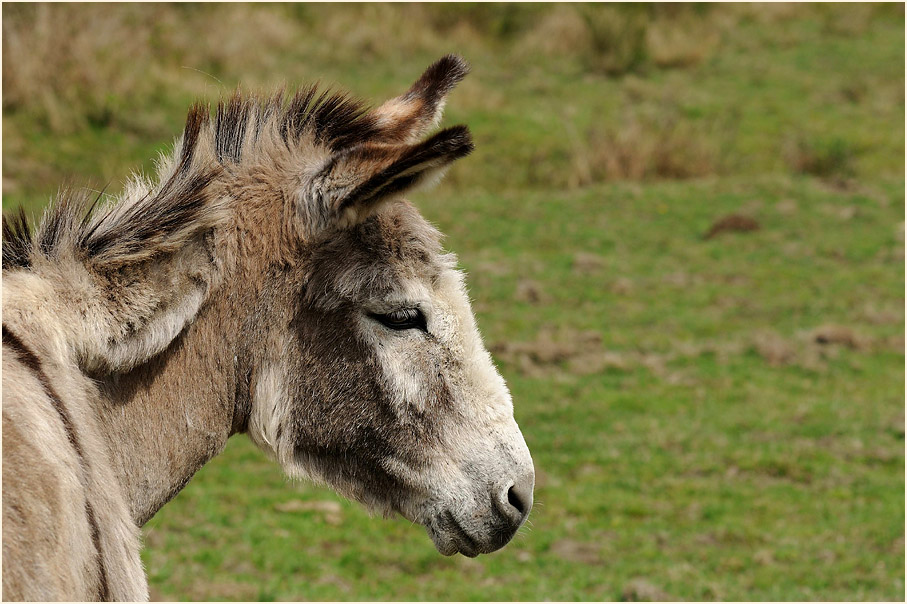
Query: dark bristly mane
pixel 333 119
pixel 16 240
pixel 134 229
pixel 127 230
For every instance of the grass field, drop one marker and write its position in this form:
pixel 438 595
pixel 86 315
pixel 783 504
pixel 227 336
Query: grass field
pixel 711 418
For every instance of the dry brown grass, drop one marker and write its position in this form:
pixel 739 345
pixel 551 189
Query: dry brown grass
pixel 682 41
pixel 838 335
pixel 580 351
pixel 74 65
pixel 561 32
pixel 99 54
pixel 531 292
pixel 69 68
pixel 776 350
pixel 829 158
pixel 811 349
pixel 585 263
pixel 580 552
pixel 560 352
pixel 642 590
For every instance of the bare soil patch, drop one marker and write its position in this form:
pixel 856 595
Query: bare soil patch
pixel 585 263
pixel 530 291
pixel 577 551
pixel 838 334
pixel 331 510
pixel 580 351
pixel 641 590
pixel 810 349
pixel 732 223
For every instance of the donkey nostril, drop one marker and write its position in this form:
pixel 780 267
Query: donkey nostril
pixel 513 499
pixel 520 495
pixel 515 505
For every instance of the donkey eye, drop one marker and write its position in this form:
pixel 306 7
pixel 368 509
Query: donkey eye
pixel 405 318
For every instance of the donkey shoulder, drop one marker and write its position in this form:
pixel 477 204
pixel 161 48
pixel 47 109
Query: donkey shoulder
pixel 66 532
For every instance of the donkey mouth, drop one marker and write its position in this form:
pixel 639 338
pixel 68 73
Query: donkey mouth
pixel 450 537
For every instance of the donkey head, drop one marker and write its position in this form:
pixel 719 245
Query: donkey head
pixel 378 383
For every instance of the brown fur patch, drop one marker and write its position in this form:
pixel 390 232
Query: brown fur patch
pixel 364 262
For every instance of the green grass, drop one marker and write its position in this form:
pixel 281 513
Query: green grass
pixel 692 437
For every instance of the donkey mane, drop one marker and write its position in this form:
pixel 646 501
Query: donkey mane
pixel 144 221
pixel 156 217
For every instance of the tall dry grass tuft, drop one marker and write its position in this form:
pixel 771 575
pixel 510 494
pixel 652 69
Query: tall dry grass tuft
pixel 682 41
pixel 644 144
pixel 618 39
pixel 76 74
pixel 560 32
pixel 73 66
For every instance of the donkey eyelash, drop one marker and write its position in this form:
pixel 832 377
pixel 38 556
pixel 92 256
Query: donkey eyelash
pixel 402 319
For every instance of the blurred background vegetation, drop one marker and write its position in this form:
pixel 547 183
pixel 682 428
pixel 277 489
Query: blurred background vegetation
pixel 684 228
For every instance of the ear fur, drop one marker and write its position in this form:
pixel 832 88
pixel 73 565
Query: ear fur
pixel 407 118
pixel 354 183
pixel 154 301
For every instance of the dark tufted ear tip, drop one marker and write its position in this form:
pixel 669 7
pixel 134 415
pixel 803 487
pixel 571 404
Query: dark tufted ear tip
pixel 408 117
pixel 440 78
pixel 454 142
pixel 453 66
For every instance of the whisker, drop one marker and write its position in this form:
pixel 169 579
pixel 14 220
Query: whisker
pixel 205 73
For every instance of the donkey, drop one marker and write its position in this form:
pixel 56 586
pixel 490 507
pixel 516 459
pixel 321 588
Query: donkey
pixel 270 281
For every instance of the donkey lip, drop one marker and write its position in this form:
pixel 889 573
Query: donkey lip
pixel 451 537
pixel 466 544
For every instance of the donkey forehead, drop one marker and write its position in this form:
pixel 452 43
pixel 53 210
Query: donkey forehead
pixel 394 254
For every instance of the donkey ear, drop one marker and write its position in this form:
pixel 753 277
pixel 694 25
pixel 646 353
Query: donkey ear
pixel 408 117
pixel 141 309
pixel 354 182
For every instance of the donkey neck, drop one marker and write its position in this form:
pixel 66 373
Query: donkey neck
pixel 172 414
pixel 168 417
